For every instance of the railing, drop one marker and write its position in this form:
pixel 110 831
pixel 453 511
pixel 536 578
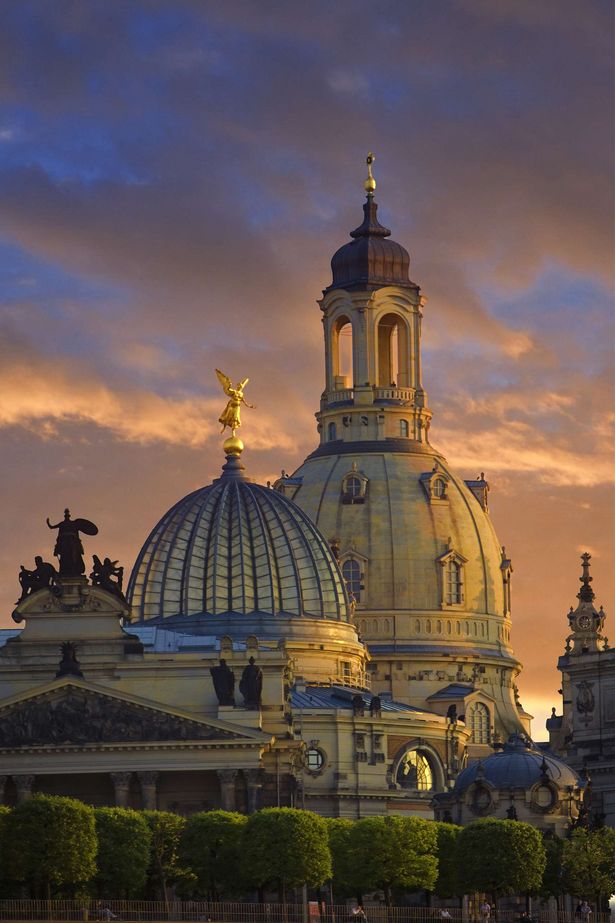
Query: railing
pixel 336 397
pixel 243 912
pixel 394 394
pixel 380 394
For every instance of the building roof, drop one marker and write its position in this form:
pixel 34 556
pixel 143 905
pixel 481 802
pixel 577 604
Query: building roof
pixel 519 764
pixel 452 691
pixel 341 697
pixel 370 260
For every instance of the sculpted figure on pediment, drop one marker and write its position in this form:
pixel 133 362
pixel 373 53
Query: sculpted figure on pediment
pixel 78 717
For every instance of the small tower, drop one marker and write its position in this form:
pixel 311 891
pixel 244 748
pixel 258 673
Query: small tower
pixel 586 623
pixel 372 326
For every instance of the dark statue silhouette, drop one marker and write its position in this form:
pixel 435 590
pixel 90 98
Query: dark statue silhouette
pixel 251 685
pixel 37 579
pixel 107 575
pixel 69 665
pixel 224 683
pixel 68 546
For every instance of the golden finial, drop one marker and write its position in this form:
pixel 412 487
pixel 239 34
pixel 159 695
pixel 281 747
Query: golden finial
pixel 231 415
pixel 370 182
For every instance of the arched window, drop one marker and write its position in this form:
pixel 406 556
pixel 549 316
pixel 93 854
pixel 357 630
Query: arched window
pixel 478 722
pixel 331 432
pixel 341 353
pixel 404 428
pixel 393 354
pixel 351 571
pixel 415 772
pixel 454 583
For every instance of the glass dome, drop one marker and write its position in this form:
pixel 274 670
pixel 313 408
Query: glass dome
pixel 236 548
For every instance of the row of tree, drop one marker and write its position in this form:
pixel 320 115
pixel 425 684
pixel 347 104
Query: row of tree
pixel 53 846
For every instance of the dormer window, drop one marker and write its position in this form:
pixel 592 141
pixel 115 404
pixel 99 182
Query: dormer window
pixel 454 583
pixel 354 571
pixel 452 578
pixel 435 484
pixel 354 487
pixel 438 488
pixel 351 572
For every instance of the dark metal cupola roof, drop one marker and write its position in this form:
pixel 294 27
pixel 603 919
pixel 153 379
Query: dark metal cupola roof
pixel 370 260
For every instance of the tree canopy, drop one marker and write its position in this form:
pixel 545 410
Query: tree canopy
pixel 165 867
pixel 395 852
pixel 211 847
pixel 53 844
pixel 588 862
pixel 124 844
pixel 447 882
pixel 286 847
pixel 501 857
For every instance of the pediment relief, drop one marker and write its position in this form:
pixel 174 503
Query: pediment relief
pixel 73 715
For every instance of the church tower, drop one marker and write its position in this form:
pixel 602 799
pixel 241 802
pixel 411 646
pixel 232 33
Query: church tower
pixel 430 581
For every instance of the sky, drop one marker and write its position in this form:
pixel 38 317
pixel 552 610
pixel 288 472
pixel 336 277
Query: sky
pixel 174 178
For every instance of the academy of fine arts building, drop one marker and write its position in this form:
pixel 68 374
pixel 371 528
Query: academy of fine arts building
pixel 340 640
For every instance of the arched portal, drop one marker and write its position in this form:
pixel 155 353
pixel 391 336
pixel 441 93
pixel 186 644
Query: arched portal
pixel 341 353
pixel 393 352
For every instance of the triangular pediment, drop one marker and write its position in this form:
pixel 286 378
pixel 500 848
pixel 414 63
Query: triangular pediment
pixel 71 712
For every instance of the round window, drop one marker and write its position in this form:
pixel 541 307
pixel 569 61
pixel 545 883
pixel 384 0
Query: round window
pixel 314 759
pixel 544 797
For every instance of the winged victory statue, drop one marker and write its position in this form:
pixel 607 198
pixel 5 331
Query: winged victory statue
pixel 231 415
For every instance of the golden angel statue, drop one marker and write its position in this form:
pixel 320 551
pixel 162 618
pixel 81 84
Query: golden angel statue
pixel 231 415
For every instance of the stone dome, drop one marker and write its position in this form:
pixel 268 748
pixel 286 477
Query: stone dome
pixel 370 260
pixel 519 764
pixel 236 555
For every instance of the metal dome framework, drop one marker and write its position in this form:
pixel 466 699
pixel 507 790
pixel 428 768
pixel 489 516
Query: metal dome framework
pixel 236 547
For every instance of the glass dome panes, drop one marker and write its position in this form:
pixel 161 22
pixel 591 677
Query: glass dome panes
pixel 415 772
pixel 236 547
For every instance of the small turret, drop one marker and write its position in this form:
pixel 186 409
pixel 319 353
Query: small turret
pixel 586 623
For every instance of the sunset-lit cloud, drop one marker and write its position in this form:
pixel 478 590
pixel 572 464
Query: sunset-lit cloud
pixel 174 178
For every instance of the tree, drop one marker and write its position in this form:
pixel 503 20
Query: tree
pixel 124 847
pixel 53 844
pixel 447 883
pixel 347 875
pixel 589 863
pixel 165 867
pixel 395 852
pixel 286 847
pixel 552 879
pixel 501 857
pixel 211 847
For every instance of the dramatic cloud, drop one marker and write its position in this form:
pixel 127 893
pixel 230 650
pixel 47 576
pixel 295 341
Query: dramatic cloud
pixel 174 177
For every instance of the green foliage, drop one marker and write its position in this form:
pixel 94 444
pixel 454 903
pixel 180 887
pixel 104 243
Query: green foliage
pixel 589 863
pixel 211 847
pixel 348 877
pixel 395 852
pixel 286 847
pixel 165 867
pixel 552 884
pixel 447 883
pixel 124 844
pixel 53 844
pixel 501 857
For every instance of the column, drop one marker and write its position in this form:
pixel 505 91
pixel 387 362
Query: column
pixel 149 785
pixel 253 785
pixel 121 783
pixel 23 784
pixel 227 788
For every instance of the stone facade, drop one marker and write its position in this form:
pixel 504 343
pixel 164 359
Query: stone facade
pixel 584 733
